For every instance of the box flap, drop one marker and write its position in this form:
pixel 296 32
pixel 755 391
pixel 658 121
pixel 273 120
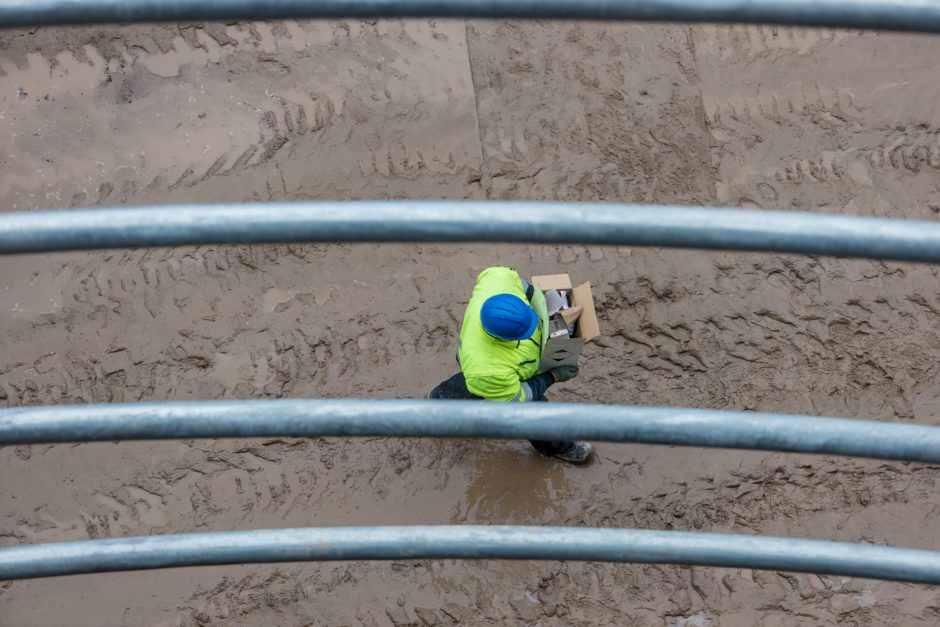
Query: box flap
pixel 588 327
pixel 552 282
pixel 571 314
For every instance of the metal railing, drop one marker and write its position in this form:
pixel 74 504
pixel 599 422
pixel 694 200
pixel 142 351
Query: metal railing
pixel 447 221
pixel 472 221
pixel 904 15
pixel 470 542
pixel 470 419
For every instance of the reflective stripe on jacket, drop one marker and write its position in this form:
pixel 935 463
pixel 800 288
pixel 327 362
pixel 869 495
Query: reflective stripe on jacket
pixel 497 369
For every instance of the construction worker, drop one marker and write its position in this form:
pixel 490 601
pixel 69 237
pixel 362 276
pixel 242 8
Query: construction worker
pixel 501 341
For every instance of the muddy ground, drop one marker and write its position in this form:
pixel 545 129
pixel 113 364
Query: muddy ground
pixel 739 116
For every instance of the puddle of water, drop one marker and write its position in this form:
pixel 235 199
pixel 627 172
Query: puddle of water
pixel 514 484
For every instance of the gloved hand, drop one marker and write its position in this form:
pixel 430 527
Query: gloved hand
pixel 564 373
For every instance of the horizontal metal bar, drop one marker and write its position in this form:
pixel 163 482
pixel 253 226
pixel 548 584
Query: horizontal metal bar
pixel 470 221
pixel 907 15
pixel 471 542
pixel 470 419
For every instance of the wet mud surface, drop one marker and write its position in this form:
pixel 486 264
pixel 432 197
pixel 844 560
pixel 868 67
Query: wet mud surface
pixel 738 116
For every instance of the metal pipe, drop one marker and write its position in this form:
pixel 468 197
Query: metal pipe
pixel 905 15
pixel 472 221
pixel 470 419
pixel 471 542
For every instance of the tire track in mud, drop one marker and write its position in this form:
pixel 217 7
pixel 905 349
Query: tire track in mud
pixel 111 288
pixel 902 153
pixel 869 158
pixel 743 115
pixel 776 334
pixel 861 133
pixel 260 127
pixel 593 128
pixel 766 41
pixel 121 69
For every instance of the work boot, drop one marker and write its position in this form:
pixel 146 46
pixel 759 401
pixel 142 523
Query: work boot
pixel 578 453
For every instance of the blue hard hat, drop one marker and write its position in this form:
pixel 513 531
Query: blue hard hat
pixel 508 317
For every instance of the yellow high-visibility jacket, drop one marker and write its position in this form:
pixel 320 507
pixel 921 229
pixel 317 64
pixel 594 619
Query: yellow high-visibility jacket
pixel 497 369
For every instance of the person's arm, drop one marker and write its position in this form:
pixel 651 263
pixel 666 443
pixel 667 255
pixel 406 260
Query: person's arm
pixel 534 388
pixel 540 382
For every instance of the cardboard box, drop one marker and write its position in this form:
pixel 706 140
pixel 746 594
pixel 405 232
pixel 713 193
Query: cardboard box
pixel 565 351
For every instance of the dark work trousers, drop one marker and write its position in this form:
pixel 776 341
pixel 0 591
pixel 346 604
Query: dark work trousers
pixel 455 389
